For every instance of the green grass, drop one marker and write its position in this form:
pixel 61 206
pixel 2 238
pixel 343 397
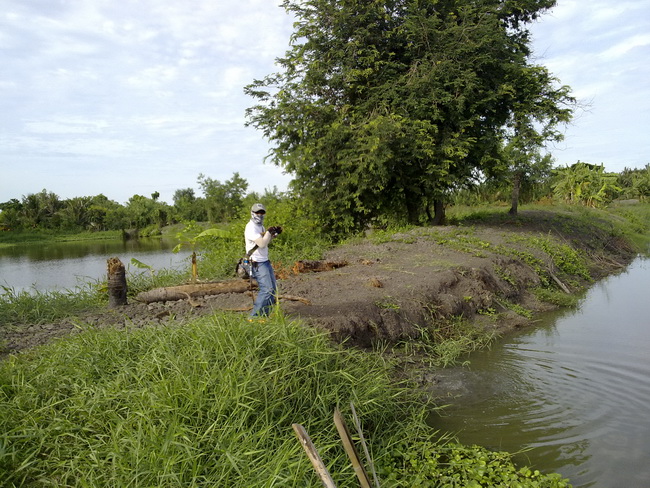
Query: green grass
pixel 40 307
pixel 630 222
pixel 445 341
pixel 211 403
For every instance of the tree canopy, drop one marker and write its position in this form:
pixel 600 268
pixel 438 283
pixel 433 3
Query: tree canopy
pixel 381 107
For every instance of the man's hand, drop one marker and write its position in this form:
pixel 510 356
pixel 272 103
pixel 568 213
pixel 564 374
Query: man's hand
pixel 275 230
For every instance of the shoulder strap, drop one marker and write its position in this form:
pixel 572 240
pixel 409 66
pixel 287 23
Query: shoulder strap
pixel 248 254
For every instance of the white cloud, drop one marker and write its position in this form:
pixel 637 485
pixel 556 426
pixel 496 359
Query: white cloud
pixel 66 126
pixel 625 46
pixel 133 97
pixel 600 49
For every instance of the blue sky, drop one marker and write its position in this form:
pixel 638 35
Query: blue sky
pixel 129 97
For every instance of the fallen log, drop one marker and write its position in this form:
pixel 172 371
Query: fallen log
pixel 195 290
pixel 317 266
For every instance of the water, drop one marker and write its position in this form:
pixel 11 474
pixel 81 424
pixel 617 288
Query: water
pixel 65 265
pixel 574 391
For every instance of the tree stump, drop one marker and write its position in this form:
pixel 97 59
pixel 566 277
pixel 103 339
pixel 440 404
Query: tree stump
pixel 116 283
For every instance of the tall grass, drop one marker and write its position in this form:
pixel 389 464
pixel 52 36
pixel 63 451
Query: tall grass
pixel 209 403
pixel 39 307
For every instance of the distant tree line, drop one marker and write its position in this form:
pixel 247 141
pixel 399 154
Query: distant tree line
pixel 219 202
pixel 580 183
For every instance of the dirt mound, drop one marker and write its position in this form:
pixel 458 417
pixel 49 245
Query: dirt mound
pixel 394 286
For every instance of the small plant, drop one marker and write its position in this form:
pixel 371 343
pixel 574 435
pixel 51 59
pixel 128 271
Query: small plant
pixel 388 304
pixel 515 307
pixel 140 265
pixel 193 236
pixel 488 312
pixel 555 297
pixel 504 275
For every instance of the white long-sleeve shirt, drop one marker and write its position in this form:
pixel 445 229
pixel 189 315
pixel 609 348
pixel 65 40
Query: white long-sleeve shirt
pixel 256 234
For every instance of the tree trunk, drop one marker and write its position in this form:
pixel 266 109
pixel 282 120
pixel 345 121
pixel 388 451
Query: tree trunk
pixel 439 217
pixel 413 209
pixel 116 283
pixel 516 185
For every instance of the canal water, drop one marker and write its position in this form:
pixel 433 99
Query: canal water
pixel 573 395
pixel 66 265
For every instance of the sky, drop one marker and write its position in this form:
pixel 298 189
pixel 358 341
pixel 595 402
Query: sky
pixel 143 96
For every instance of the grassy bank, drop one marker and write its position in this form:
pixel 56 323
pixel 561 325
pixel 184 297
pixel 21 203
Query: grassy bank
pixel 630 222
pixel 211 403
pixel 625 224
pixel 19 237
pixel 20 307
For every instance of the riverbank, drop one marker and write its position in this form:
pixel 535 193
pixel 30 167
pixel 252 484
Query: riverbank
pixel 145 403
pixel 15 238
pixel 419 287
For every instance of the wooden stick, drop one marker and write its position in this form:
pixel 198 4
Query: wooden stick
pixel 294 298
pixel 559 283
pixel 350 450
pixel 313 456
pixel 357 424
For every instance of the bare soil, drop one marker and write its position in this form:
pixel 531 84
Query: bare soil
pixel 392 287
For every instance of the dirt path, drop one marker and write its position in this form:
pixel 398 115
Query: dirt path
pixel 395 285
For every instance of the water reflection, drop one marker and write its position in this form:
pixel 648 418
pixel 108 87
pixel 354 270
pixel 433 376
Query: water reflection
pixel 65 265
pixel 77 249
pixel 573 392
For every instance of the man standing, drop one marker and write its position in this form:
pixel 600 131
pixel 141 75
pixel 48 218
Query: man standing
pixel 258 239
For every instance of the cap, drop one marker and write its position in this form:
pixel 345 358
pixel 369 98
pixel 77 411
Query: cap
pixel 258 207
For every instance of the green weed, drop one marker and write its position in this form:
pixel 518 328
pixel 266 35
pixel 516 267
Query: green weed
pixel 39 307
pixel 555 297
pixel 442 343
pixel 416 463
pixel 515 307
pixel 208 403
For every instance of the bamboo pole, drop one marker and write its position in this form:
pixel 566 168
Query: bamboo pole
pixel 313 456
pixel 350 450
pixel 357 424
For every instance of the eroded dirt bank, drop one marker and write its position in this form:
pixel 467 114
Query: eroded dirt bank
pixel 396 284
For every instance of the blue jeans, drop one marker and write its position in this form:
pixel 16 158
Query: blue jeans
pixel 268 289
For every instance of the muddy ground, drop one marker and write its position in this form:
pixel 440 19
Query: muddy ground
pixel 393 286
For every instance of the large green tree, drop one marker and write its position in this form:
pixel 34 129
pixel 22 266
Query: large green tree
pixel 381 107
